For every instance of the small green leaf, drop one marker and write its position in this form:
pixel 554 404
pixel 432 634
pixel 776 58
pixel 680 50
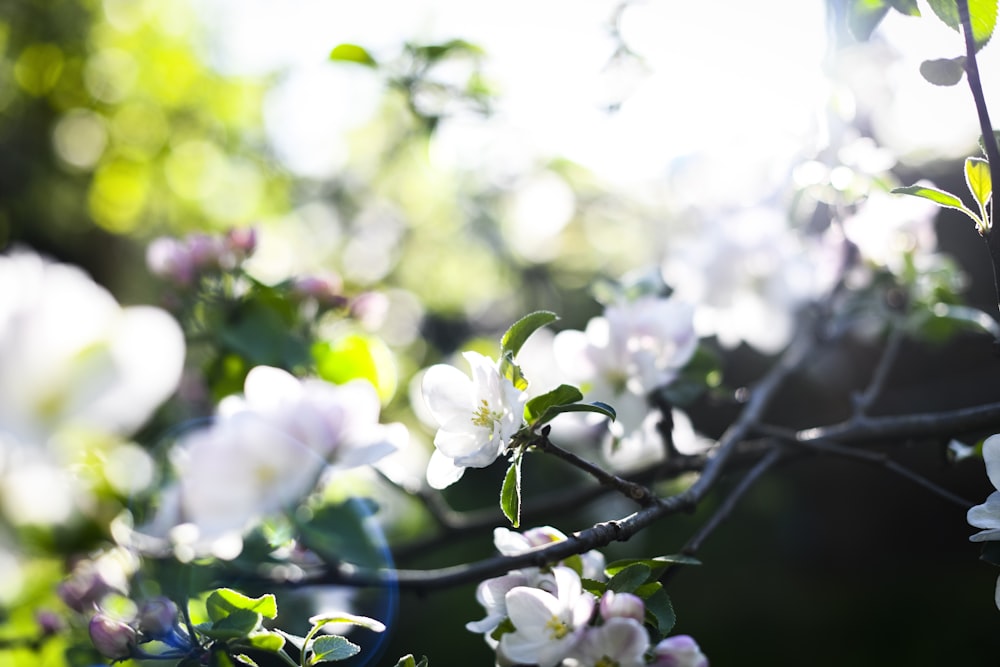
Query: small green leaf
pixel 352 53
pixel 593 586
pixel 344 617
pixel 222 602
pixel 977 177
pixel 519 332
pixel 596 406
pixel 245 659
pixel 330 648
pixel 660 611
pixel 267 641
pixel 564 394
pixel 939 197
pixel 630 578
pixel 510 493
pixel 906 7
pixel 408 661
pixel 943 71
pixel 510 370
pixel 505 626
pixel 656 565
pixel 982 15
pixel 237 624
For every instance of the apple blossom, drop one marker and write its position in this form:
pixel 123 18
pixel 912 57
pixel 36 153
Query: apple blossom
pixel 476 417
pixel 267 449
pixel 492 595
pixel 619 642
pixel 678 651
pixel 624 605
pixel 547 625
pixel 987 515
pixel 112 638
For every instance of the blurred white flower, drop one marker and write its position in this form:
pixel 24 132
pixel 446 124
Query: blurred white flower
pixel 265 451
pixel 72 357
pixel 547 625
pixel 619 641
pixel 632 350
pixel 476 417
pixel 76 369
pixel 492 595
pixel 749 273
pixel 887 227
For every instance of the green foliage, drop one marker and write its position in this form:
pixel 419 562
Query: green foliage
pixel 943 71
pixel 352 53
pixel 520 331
pixel 337 532
pixel 510 492
pixel 657 566
pixel 982 15
pixel 537 407
pixel 357 355
pixel 332 648
pixel 409 661
pixel 946 200
pixel 223 602
pixel 863 16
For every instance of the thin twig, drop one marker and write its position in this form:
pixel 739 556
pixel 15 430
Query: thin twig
pixel 829 446
pixel 863 401
pixel 921 425
pixel 630 490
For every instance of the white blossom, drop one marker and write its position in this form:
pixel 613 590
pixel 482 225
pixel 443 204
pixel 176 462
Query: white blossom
pixel 619 642
pixel 265 451
pixel 476 417
pixel 987 515
pixel 547 625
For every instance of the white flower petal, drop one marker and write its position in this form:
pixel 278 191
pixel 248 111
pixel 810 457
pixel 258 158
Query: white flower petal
pixel 442 471
pixel 448 393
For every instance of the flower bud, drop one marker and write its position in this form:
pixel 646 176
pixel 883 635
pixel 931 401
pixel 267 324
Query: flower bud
pixel 624 605
pixel 242 241
pixel 157 616
pixel 112 639
pixel 678 651
pixel 49 623
pixel 325 289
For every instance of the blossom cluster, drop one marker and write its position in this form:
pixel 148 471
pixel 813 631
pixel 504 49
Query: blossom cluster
pixel 547 617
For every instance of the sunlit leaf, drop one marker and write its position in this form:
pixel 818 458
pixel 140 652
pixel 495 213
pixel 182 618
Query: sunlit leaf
pixel 267 641
pixel 977 177
pixel 355 356
pixel 629 578
pixel 595 407
pixel 510 492
pixel 519 332
pixel 344 617
pixel 656 565
pixel 906 7
pixel 943 71
pixel 330 648
pixel 939 197
pixel 222 602
pixel 352 53
pixel 982 15
pixel 409 661
pixel 564 394
pixel 235 625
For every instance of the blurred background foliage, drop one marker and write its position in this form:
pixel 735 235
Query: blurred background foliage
pixel 116 128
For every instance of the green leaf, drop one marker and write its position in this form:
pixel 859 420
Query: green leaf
pixel 943 71
pixel 593 586
pixel 223 602
pixel 863 16
pixel 510 370
pixel 596 406
pixel 629 578
pixel 408 661
pixel 906 7
pixel 337 532
pixel 564 394
pixel 267 641
pixel 353 619
pixel 982 145
pixel 352 53
pixel 519 332
pixel 977 177
pixel 939 197
pixel 245 659
pixel 237 624
pixel 510 492
pixel 982 15
pixel 357 356
pixel 660 611
pixel 330 648
pixel 656 565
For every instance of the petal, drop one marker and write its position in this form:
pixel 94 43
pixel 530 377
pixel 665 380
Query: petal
pixel 268 388
pixel 530 609
pixel 442 471
pixel 991 455
pixel 986 515
pixel 448 393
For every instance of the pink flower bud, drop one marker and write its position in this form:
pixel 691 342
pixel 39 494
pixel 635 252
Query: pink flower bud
pixel 242 241
pixel 678 651
pixel 325 289
pixel 169 258
pixel 624 605
pixel 157 616
pixel 112 639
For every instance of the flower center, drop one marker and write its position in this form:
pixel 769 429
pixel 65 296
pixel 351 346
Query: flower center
pixel 605 661
pixel 485 417
pixel 558 627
